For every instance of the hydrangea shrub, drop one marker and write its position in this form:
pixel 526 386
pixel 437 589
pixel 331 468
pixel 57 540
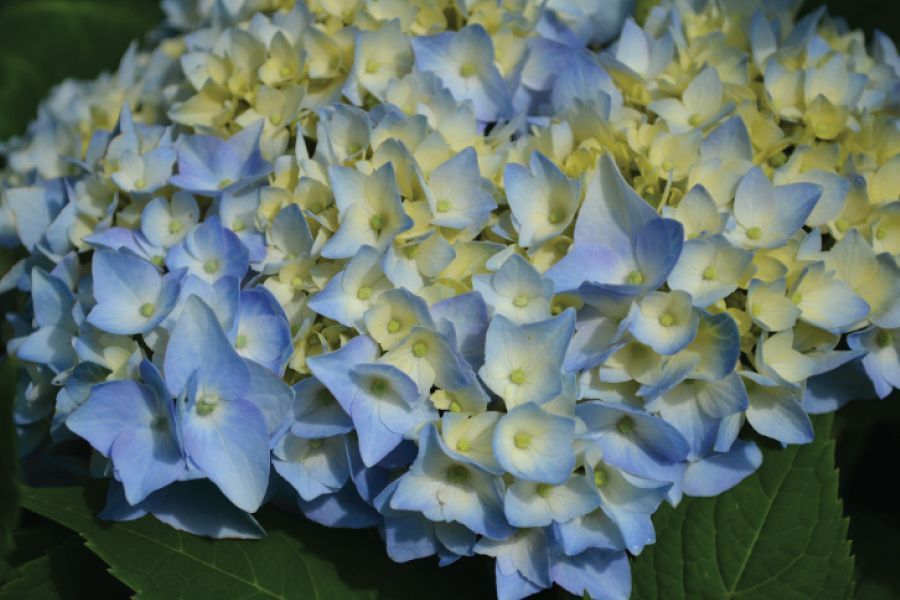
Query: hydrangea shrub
pixel 495 278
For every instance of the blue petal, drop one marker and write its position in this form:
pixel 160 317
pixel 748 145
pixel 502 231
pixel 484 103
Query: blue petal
pixel 775 412
pixel 197 507
pixel 718 473
pixel 110 409
pixel 146 459
pixel 657 247
pixel 828 392
pixel 333 368
pixel 601 574
pixel 198 342
pixel 342 509
pixel 231 445
pixel 317 414
pixel 468 316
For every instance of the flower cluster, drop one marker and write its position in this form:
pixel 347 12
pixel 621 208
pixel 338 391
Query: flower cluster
pixel 446 269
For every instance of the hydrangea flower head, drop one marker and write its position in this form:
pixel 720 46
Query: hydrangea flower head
pixel 463 275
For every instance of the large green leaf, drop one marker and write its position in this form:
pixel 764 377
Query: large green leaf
pixel 64 570
pixel 9 460
pixel 45 41
pixel 297 559
pixel 779 535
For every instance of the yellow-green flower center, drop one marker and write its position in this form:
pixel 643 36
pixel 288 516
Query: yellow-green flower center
pixel 364 293
pixel 467 70
pixel 520 301
pixel 146 309
pixel 211 266
pixel 521 440
pixel 556 216
pixel 754 233
pixel 517 376
pixel 443 206
pixel 600 477
pixel 393 326
pixel 710 273
pixel 378 386
pixel 457 474
pixel 376 222
pixel 206 404
pixel 625 425
pixel 175 226
pixel 419 349
pixel 240 342
pixel 543 489
pixel 666 319
pixel 635 278
pixel 463 445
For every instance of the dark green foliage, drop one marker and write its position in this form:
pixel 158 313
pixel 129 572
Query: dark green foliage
pixel 44 41
pixel 780 534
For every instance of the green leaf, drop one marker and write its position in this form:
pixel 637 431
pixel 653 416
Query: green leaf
pixel 9 459
pixel 297 559
pixel 780 534
pixel 65 570
pixel 44 41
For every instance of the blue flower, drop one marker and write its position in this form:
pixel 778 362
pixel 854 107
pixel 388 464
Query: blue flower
pixel 457 194
pixel 210 252
pixel 464 61
pixel 208 165
pixel 523 563
pixel 224 434
pixel 531 504
pixel 371 212
pixel 664 321
pixel 602 574
pixel 447 490
pixel 542 199
pixel 516 291
pixel 316 413
pixel 134 425
pixel 237 212
pixel 774 410
pixel 535 445
pixel 619 239
pixel 132 295
pixel 350 293
pixel 289 239
pixel 312 466
pixel 882 361
pixel 631 439
pixel 523 362
pixel 767 216
pixel 165 222
pixel 51 342
pixel 263 332
pixel 383 402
